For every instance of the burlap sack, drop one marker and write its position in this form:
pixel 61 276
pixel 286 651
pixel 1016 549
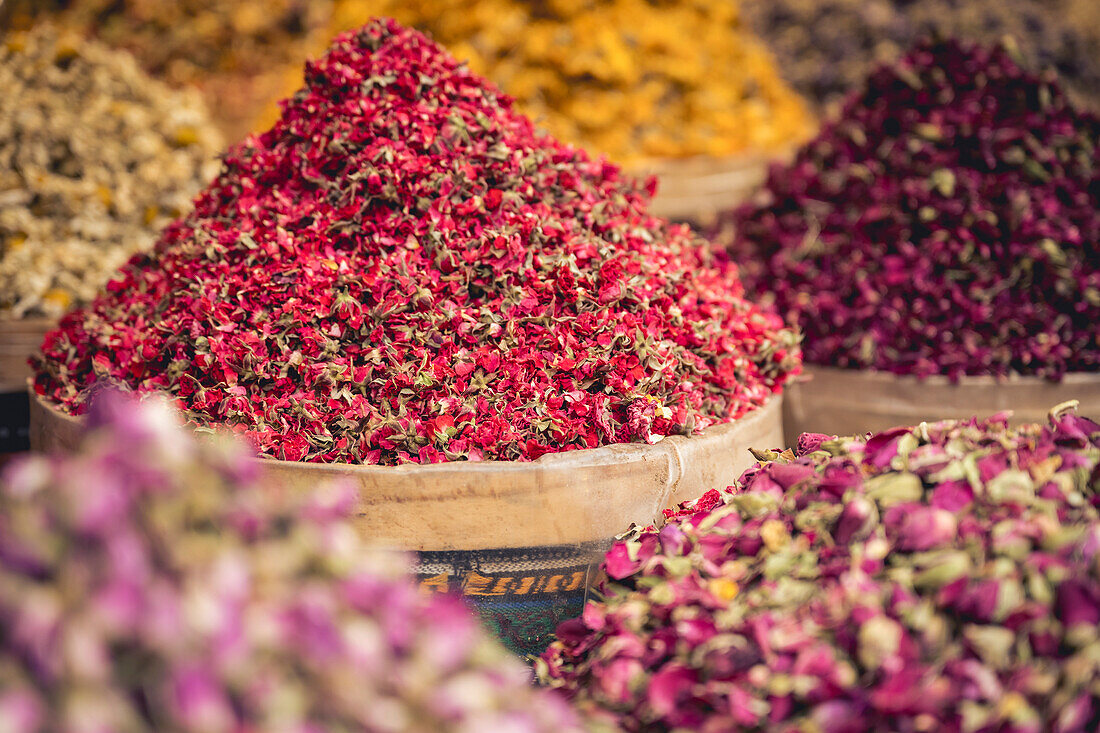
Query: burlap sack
pixel 696 189
pixel 18 340
pixel 851 402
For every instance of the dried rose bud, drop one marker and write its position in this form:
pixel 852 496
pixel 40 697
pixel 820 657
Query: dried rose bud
pixel 916 527
pixel 808 443
pixel 857 520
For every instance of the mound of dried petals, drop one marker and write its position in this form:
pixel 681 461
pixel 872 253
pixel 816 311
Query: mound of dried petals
pixel 941 578
pixel 947 223
pixel 403 270
pixel 150 583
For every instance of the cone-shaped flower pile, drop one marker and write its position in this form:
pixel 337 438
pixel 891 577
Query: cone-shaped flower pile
pixel 947 223
pixel 403 269
pixel 945 577
pixel 149 583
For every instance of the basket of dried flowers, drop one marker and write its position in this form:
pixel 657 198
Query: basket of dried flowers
pixel 483 328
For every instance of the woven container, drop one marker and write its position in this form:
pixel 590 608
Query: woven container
pixel 18 340
pixel 852 402
pixel 695 190
pixel 521 540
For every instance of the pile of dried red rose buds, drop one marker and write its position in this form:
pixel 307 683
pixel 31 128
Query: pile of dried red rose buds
pixel 403 270
pixel 940 578
pixel 947 223
pixel 152 583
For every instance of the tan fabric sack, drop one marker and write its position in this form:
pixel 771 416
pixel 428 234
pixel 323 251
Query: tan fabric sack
pixel 18 340
pixel 561 498
pixel 851 402
pixel 696 189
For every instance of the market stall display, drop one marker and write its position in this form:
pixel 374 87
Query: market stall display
pixel 403 271
pixel 153 582
pixel 489 388
pixel 944 577
pixel 945 225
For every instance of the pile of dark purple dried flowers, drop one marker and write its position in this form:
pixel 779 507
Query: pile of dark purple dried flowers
pixel 948 222
pixel 939 578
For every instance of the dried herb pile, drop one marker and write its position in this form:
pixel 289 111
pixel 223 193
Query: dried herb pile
pixel 948 222
pixel 235 51
pixel 826 47
pixel 941 578
pixel 95 158
pixel 152 583
pixel 629 78
pixel 403 270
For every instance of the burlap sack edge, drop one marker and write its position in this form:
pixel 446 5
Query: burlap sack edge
pixel 19 338
pixel 560 499
pixel 853 402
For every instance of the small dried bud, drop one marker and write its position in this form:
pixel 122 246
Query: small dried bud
pixel 856 522
pixel 916 527
pixel 774 534
pixel 879 641
pixel 894 488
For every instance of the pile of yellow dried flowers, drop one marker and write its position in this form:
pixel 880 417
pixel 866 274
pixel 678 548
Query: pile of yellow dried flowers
pixel 629 78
